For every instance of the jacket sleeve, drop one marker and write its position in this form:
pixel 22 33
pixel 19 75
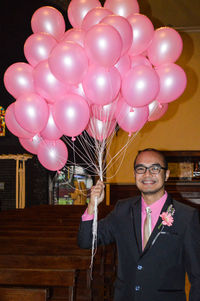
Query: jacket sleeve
pixel 105 231
pixel 192 255
pixel 85 234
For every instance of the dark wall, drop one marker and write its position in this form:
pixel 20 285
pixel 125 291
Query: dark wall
pixel 8 180
pixel 37 183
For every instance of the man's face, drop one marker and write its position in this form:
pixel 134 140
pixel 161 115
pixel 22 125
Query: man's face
pixel 149 183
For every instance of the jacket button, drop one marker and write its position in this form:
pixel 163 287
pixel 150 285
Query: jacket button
pixel 139 267
pixel 137 288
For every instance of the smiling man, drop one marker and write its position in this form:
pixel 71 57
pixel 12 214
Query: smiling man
pixel 151 171
pixel 157 238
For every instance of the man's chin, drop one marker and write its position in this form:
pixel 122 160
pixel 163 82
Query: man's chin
pixel 149 192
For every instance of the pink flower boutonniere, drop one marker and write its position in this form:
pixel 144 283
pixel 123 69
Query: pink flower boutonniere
pixel 167 220
pixel 167 217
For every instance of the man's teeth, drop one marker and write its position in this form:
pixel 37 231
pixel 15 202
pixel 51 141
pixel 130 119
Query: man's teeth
pixel 148 181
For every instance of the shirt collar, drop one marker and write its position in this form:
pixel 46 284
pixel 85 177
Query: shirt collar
pixel 156 206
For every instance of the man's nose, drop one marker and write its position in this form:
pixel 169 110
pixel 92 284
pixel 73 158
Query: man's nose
pixel 148 172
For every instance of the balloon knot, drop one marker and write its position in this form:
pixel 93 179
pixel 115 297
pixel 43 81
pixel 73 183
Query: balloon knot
pixel 131 110
pixel 73 138
pixel 129 134
pixel 160 105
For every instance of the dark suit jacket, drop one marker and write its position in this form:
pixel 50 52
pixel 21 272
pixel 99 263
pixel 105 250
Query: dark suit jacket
pixel 158 272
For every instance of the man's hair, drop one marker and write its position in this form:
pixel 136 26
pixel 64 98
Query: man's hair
pixel 155 151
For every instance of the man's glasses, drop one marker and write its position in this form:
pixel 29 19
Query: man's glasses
pixel 154 169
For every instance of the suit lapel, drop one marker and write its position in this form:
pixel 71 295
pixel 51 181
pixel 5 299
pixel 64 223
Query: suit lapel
pixel 155 231
pixel 136 211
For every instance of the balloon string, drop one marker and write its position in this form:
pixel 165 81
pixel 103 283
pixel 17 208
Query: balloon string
pixel 95 220
pixel 94 236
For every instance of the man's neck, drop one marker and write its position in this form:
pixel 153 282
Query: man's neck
pixel 152 198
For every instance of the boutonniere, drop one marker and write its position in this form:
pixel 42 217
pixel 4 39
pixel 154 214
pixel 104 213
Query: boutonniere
pixel 167 217
pixel 167 220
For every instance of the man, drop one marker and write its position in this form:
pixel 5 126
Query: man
pixel 149 268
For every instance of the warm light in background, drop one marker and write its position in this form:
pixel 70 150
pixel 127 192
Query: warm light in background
pixel 2 122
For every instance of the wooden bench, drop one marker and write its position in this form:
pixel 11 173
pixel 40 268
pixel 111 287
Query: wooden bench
pixel 22 294
pixel 66 262
pixel 39 278
pixel 38 248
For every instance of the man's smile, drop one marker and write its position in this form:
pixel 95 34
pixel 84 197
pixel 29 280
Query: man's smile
pixel 148 181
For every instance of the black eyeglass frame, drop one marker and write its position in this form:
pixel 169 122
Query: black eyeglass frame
pixel 149 168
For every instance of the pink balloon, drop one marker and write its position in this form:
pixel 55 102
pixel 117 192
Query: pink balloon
pixel 122 7
pixel 123 27
pixel 140 86
pixel 78 89
pixel 157 110
pixel 46 84
pixel 51 131
pixel 53 155
pixel 13 125
pixel 139 60
pixel 123 65
pixel 100 130
pixel 31 144
pixel 166 46
pixel 71 114
pixel 68 62
pixel 143 31
pixel 78 9
pixel 48 19
pixel 103 45
pixel 74 35
pixel 173 82
pixel 131 119
pixel 94 16
pixel 18 79
pixel 105 113
pixel 38 47
pixel 31 112
pixel 101 85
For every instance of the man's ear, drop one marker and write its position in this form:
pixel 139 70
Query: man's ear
pixel 167 174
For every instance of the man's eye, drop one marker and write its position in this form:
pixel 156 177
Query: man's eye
pixel 155 168
pixel 140 168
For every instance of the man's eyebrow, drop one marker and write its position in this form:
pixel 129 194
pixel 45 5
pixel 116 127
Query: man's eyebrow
pixel 154 164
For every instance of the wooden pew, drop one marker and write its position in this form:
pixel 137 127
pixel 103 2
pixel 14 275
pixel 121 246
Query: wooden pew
pixel 22 294
pixel 38 247
pixel 46 262
pixel 55 266
pixel 39 278
pixel 50 259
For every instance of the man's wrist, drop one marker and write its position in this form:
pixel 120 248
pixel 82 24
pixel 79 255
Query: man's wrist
pixel 90 209
pixel 86 216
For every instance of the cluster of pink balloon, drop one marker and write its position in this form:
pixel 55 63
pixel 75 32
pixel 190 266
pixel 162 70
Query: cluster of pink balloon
pixel 112 65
